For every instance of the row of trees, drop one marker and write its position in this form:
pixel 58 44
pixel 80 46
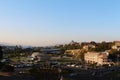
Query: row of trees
pixel 114 55
pixel 103 46
pixel 3 66
pixel 1 53
pixel 98 46
pixel 16 51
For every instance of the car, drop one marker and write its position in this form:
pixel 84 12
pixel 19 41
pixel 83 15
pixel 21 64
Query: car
pixel 73 65
pixel 68 65
pixel 78 66
pixel 73 74
pixel 21 72
pixel 20 66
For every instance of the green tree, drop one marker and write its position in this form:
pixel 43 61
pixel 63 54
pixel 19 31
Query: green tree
pixel 114 55
pixel 103 46
pixel 1 53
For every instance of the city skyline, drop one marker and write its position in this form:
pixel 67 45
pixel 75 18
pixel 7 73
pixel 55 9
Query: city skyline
pixel 50 22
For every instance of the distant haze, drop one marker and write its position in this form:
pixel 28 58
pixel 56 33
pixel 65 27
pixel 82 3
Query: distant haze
pixel 50 22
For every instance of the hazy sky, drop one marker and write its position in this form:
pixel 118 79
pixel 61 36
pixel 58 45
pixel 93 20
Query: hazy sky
pixel 49 22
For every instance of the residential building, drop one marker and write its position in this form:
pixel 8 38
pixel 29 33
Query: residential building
pixel 73 52
pixel 116 45
pixel 96 57
pixel 87 47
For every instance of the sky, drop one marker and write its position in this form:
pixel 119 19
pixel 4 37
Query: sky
pixel 51 22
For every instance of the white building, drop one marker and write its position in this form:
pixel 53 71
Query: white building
pixel 39 56
pixel 96 57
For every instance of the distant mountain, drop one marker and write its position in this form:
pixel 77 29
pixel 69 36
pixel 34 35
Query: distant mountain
pixel 5 44
pixel 13 45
